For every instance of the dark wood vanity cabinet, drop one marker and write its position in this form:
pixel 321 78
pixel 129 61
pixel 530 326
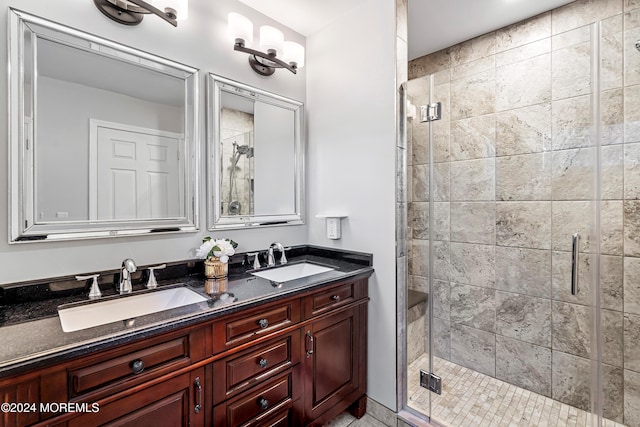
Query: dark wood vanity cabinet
pixel 177 401
pixel 333 366
pixel 22 390
pixel 300 360
pixel 313 348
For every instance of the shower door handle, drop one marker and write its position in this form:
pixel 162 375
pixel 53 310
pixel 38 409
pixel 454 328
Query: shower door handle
pixel 574 263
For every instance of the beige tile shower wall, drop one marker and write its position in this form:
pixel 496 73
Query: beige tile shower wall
pixel 512 182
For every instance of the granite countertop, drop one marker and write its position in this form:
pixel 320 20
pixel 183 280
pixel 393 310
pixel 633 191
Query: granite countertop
pixel 32 336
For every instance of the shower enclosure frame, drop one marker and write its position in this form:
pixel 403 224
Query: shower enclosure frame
pixel 402 269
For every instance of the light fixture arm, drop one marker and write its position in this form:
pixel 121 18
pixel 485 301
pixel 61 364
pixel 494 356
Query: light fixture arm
pixel 260 67
pixel 114 9
pixel 167 15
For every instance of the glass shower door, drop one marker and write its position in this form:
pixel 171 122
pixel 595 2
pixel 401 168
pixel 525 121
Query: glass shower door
pixel 515 216
pixel 619 308
pixel 418 94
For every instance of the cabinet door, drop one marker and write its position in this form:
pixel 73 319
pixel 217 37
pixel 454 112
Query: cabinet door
pixel 170 403
pixel 332 365
pixel 27 393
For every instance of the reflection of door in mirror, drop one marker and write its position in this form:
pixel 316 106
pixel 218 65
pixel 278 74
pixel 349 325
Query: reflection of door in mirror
pixel 237 159
pixel 134 173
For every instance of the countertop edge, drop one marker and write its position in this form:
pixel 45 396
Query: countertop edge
pixel 43 360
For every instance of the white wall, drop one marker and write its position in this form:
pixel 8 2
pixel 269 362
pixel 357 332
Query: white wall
pixel 201 42
pixel 351 161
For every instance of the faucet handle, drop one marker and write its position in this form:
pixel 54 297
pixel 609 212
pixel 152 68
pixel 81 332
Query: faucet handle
pixel 256 261
pixel 94 293
pixel 152 284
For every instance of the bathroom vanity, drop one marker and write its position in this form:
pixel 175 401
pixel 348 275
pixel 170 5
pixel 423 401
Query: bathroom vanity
pixel 255 353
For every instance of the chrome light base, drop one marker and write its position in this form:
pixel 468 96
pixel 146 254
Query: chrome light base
pixel 260 68
pixel 121 16
pixel 131 12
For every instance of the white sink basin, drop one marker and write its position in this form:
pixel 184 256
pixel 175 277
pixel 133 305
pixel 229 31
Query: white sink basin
pixel 292 272
pixel 101 313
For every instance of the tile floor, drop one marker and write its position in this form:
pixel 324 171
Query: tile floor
pixel 346 419
pixel 470 398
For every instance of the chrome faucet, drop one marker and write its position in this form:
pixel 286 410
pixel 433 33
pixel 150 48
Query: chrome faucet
pixel 124 284
pixel 271 261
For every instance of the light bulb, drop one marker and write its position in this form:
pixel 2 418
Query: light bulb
pixel 240 27
pixel 293 52
pixel 271 39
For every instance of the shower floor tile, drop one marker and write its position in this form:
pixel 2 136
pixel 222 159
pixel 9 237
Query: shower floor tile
pixel 470 398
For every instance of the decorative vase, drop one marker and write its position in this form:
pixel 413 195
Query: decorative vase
pixel 215 269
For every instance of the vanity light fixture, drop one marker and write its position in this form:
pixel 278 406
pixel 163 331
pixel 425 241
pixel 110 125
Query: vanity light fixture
pixel 274 51
pixel 131 12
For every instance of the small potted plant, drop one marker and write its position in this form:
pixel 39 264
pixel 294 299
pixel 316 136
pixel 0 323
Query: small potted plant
pixel 216 255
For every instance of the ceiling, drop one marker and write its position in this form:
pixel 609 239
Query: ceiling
pixel 437 24
pixel 63 62
pixel 433 24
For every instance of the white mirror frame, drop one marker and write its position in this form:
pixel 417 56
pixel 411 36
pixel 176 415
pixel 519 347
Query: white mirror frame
pixel 22 227
pixel 216 85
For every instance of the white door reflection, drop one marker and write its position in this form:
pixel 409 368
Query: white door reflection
pixel 135 172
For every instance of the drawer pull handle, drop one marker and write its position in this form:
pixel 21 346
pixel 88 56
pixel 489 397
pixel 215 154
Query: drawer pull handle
pixel 199 391
pixel 309 344
pixel 335 297
pixel 137 366
pixel 263 323
pixel 264 403
pixel 263 363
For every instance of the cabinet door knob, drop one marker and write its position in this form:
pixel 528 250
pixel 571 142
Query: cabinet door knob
pixel 263 323
pixel 264 403
pixel 137 366
pixel 263 363
pixel 335 297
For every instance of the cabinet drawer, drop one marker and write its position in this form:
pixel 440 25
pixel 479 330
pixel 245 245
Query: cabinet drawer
pixel 115 370
pixel 241 328
pixel 329 299
pixel 260 404
pixel 241 371
pixel 286 418
pixel 131 364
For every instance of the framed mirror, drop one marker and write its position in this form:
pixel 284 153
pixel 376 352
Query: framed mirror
pixel 103 137
pixel 256 157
